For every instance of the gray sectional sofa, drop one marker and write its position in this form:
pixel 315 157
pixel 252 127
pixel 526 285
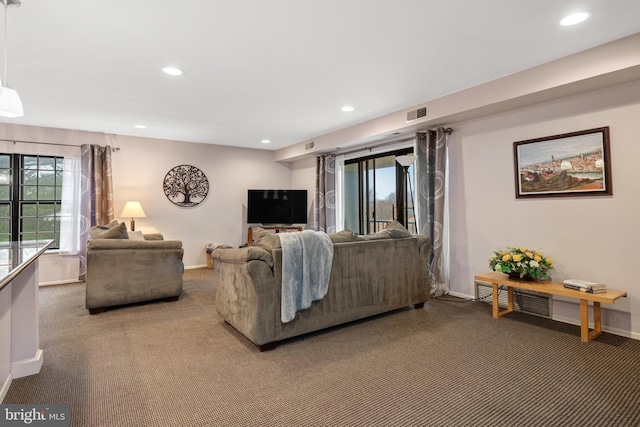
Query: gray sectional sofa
pixel 369 275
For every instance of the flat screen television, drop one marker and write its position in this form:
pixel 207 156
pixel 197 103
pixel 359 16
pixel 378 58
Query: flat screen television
pixel 277 207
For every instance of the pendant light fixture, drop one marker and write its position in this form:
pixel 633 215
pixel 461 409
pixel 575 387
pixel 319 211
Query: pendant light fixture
pixel 10 103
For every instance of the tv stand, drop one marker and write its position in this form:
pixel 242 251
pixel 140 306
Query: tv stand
pixel 276 228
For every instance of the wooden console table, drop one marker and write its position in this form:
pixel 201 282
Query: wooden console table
pixel 277 229
pixel 553 288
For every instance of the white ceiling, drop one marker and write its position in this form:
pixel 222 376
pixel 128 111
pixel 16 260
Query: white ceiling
pixel 276 69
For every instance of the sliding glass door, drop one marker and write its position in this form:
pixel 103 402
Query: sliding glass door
pixel 375 193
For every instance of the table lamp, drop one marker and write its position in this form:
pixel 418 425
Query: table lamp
pixel 133 210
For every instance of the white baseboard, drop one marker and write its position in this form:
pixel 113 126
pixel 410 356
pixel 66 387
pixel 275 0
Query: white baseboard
pixel 608 329
pixel 24 368
pixel 5 387
pixel 193 267
pixel 571 321
pixel 67 282
pixel 460 295
pixel 59 282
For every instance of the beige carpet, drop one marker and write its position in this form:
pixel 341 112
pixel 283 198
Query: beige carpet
pixel 451 364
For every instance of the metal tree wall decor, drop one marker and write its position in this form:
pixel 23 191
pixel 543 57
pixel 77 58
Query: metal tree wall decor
pixel 186 185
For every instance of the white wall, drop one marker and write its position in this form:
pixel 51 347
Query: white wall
pixel 303 177
pixel 592 238
pixel 139 168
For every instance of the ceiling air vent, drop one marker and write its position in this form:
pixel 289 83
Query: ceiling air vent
pixel 310 145
pixel 416 114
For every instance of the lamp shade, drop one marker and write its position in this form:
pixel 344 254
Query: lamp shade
pixel 133 210
pixel 406 160
pixel 10 103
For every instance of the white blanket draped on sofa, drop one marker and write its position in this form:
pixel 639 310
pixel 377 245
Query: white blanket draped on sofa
pixel 306 267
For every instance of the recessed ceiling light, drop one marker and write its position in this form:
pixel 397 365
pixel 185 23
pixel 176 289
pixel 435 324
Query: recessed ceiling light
pixel 266 141
pixel 139 126
pixel 575 18
pixel 173 71
pixel 347 108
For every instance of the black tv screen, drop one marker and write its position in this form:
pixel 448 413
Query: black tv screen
pixel 277 207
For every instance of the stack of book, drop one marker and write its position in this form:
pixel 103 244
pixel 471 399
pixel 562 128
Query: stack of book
pixel 585 286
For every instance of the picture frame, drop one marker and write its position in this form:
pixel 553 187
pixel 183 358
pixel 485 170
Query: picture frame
pixel 567 165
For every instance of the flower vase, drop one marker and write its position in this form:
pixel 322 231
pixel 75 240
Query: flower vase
pixel 516 276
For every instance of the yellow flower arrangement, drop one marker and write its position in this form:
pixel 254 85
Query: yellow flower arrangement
pixel 526 263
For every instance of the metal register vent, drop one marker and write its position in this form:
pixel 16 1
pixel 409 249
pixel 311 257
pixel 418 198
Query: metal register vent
pixel 416 114
pixel 529 302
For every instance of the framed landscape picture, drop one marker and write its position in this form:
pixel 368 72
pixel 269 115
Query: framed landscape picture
pixel 567 165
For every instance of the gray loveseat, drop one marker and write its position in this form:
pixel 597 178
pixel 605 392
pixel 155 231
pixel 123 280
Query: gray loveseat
pixel 123 271
pixel 369 276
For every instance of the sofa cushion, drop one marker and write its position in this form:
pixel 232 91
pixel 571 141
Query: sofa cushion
pixel 213 246
pixel 241 256
pixel 153 236
pixel 135 235
pixel 110 231
pixel 265 239
pixel 395 230
pixel 342 236
pixel 375 236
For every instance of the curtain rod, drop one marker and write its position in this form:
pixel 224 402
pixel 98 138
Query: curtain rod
pixel 397 141
pixel 113 149
pixel 373 147
pixel 447 130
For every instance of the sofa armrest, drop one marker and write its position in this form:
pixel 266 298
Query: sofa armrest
pixel 246 292
pixel 424 248
pixel 243 255
pixel 106 244
pixel 422 241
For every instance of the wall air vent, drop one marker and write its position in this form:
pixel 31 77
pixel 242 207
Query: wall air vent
pixel 309 145
pixel 416 114
pixel 529 302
